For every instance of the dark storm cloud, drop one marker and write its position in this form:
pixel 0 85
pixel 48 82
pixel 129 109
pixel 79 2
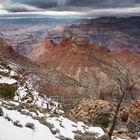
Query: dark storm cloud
pixel 38 3
pixel 80 3
pixel 78 7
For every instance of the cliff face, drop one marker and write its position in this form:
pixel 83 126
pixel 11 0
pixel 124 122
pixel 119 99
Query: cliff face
pixel 84 58
pixel 77 66
pixel 68 59
pixel 92 66
pixel 7 52
pixel 116 34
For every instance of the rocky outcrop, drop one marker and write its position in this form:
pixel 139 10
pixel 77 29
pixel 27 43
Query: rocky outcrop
pixel 134 110
pixel 89 108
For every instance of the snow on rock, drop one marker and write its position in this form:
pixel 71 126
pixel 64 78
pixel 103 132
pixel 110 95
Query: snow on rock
pixel 14 103
pixel 25 94
pixel 22 92
pixel 3 69
pixel 7 80
pixel 118 139
pixel 13 73
pixel 44 102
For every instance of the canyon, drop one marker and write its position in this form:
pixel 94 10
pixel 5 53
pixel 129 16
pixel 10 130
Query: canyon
pixel 83 64
pixel 78 58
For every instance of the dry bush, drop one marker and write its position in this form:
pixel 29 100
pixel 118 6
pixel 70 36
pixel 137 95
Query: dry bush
pixel 85 136
pixel 17 123
pixel 30 125
pixel 7 91
pixel 1 112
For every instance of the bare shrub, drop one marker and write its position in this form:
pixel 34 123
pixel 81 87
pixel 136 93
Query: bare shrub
pixel 17 123
pixel 30 125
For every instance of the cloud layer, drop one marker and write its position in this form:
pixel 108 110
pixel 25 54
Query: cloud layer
pixel 80 3
pixel 81 7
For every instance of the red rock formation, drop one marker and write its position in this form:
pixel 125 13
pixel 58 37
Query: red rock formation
pixel 72 61
pixel 75 58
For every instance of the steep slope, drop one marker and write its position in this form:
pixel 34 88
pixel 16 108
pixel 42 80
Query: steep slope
pixel 27 114
pixel 116 34
pixel 84 61
pixel 81 58
pixel 68 59
pixel 7 52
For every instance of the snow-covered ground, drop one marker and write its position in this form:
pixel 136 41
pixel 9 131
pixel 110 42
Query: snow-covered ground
pixel 28 107
pixel 14 120
pixel 67 127
pixel 11 132
pixel 64 126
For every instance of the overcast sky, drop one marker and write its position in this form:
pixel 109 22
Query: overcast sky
pixel 72 7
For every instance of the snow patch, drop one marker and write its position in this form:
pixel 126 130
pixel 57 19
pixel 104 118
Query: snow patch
pixel 40 132
pixel 7 80
pixel 67 127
